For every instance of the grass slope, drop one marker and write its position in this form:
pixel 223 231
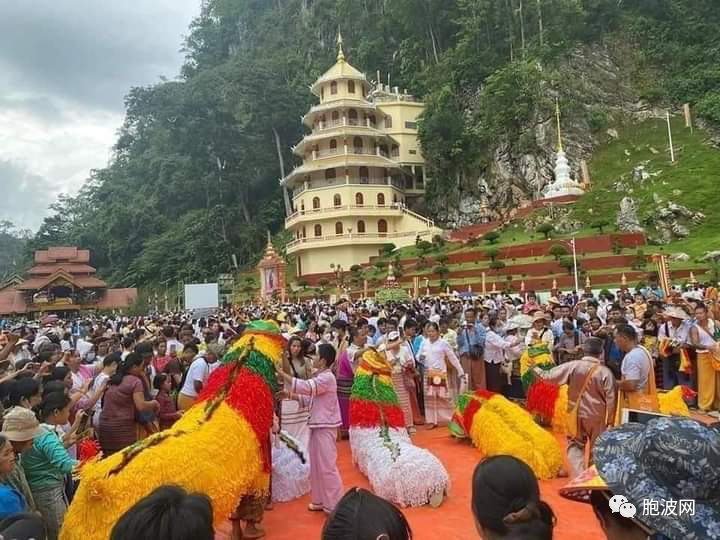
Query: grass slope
pixel 696 173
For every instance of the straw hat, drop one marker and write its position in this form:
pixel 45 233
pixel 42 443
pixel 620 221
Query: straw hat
pixel 20 425
pixel 540 316
pixel 676 312
pixel 554 300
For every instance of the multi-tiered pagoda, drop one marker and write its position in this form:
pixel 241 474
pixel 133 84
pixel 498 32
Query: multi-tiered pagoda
pixel 361 168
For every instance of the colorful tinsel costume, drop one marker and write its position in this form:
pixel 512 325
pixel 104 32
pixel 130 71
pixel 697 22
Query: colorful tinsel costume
pixel 546 401
pixel 497 426
pixel 220 447
pixel 381 447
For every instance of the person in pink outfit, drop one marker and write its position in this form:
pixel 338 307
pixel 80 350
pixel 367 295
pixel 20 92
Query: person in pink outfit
pixel 320 394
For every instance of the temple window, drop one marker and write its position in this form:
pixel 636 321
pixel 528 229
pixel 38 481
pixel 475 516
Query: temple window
pixel 351 87
pixel 318 230
pixel 364 175
pixel 358 199
pixel 382 226
pixel 388 122
pixel 333 88
pixel 353 117
pixel 316 203
pixel 338 227
pixel 361 226
pixel 381 199
pixel 337 200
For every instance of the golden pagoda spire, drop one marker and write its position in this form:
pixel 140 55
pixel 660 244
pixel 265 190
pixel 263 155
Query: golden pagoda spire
pixel 557 116
pixel 341 54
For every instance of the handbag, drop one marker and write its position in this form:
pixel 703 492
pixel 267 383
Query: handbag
pixel 645 401
pixel 573 427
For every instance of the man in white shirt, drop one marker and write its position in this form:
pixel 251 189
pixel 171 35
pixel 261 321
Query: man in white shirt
pixel 197 376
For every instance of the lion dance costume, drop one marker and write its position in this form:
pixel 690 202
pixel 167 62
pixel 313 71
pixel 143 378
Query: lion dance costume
pixel 497 426
pixel 381 447
pixel 220 447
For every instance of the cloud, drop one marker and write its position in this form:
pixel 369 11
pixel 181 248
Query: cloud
pixel 26 196
pixel 65 68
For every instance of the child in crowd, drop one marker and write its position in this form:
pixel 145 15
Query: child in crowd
pixel 168 413
pixel 320 393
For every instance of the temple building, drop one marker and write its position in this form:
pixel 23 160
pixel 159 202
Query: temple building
pixel 362 167
pixel 62 281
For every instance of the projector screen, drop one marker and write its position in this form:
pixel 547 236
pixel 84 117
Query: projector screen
pixel 201 296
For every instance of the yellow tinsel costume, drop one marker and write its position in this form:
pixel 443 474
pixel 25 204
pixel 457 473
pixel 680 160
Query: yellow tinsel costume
pixel 497 426
pixel 217 448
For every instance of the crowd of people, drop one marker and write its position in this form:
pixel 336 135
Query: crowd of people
pixel 115 379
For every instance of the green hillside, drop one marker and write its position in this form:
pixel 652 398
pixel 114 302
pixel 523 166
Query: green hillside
pixel 692 181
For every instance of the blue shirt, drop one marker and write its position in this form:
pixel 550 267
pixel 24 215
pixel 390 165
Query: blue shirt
pixel 470 339
pixel 11 501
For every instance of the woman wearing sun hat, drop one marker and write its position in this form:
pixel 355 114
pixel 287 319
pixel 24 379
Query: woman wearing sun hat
pixel 653 467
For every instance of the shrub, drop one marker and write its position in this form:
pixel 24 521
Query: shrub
pixel 491 237
pixel 557 251
pixel 387 249
pixel 600 225
pixel 545 229
pixel 567 263
pixel 442 271
pixel 442 258
pixel 438 240
pixel 424 246
pixel 492 253
pixel 497 265
pixel 356 268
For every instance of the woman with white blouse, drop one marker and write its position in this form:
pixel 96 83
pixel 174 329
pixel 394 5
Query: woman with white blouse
pixel 495 348
pixel 434 354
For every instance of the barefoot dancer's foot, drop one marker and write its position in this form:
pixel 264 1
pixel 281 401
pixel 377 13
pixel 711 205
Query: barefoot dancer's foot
pixel 431 426
pixel 315 507
pixel 253 530
pixel 436 499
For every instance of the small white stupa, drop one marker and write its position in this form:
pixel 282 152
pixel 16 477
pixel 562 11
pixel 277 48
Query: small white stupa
pixel 563 184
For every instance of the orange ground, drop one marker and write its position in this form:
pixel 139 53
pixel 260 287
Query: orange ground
pixel 452 521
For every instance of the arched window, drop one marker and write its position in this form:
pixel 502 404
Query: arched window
pixel 359 199
pixel 361 226
pixel 337 200
pixel 372 120
pixel 322 93
pixel 318 230
pixel 335 116
pixel 358 145
pixel 338 227
pixel 352 115
pixel 382 226
pixel 388 121
pixel 329 174
pixel 333 144
pixel 304 235
pixel 351 87
pixel 364 175
pixel 333 88
pixel 316 203
pixel 394 198
pixel 381 199
pixel 302 205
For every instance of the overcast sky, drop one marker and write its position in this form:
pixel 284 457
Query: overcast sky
pixel 65 67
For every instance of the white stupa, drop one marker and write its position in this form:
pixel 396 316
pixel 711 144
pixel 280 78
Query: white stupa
pixel 563 184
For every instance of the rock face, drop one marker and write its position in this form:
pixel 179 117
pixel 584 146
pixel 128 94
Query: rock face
pixel 672 221
pixel 627 218
pixel 594 79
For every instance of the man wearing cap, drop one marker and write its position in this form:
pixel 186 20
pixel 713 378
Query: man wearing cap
pixel 20 427
pixel 672 335
pixel 592 392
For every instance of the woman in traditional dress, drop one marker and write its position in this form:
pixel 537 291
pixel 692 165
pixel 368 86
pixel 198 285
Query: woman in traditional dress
pixel 345 376
pixel 294 416
pixel 403 368
pixel 433 355
pixel 704 337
